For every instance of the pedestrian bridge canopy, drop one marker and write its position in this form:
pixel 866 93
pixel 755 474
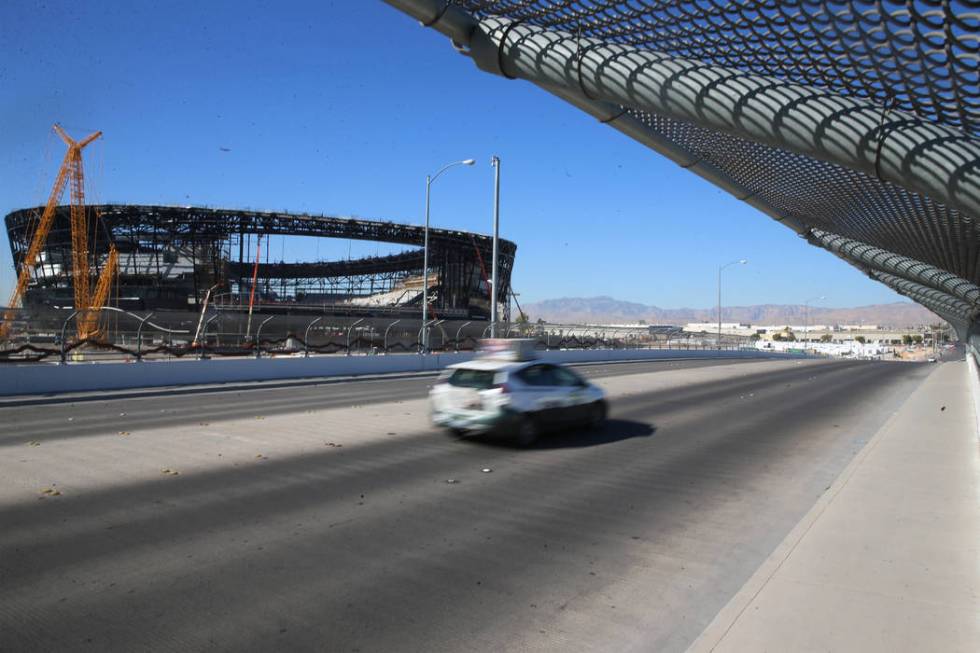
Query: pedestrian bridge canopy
pixel 856 124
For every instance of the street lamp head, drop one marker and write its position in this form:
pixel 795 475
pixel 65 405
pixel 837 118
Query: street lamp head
pixel 431 178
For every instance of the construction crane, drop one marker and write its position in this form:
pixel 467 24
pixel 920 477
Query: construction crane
pixel 79 226
pixel 70 171
pixel 88 326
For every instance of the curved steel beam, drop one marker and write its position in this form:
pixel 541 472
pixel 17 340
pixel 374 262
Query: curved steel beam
pixel 933 160
pixel 854 251
pixel 944 305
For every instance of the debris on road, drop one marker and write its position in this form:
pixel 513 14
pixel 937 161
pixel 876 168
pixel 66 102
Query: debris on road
pixel 33 443
pixel 486 470
pixel 170 472
pixel 124 433
pixel 452 481
pixel 51 492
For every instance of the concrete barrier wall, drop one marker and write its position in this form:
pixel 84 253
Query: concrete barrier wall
pixel 973 378
pixel 46 378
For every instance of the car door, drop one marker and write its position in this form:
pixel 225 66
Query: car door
pixel 562 409
pixel 575 395
pixel 541 398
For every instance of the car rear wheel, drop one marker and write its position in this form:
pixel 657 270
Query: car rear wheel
pixel 597 414
pixel 527 432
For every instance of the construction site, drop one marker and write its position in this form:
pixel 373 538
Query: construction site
pixel 103 281
pixel 178 263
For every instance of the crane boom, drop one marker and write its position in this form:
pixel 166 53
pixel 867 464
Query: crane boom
pixel 79 234
pixel 88 326
pixel 71 169
pixel 81 283
pixel 37 243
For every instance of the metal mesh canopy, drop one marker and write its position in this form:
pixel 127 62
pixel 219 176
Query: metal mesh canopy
pixel 920 55
pixel 882 67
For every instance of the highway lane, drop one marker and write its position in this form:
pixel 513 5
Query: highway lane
pixel 628 538
pixel 168 408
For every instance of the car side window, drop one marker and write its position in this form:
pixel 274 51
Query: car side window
pixel 479 379
pixel 565 377
pixel 535 375
pixel 550 376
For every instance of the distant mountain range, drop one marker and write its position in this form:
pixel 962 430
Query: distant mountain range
pixel 606 310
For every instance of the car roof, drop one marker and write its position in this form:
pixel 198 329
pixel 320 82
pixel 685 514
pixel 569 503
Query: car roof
pixel 490 364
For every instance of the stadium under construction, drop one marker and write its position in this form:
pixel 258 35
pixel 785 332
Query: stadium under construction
pixel 170 259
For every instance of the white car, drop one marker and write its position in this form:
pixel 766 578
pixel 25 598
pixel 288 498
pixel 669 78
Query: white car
pixel 518 399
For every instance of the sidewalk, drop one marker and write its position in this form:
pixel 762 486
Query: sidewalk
pixel 889 557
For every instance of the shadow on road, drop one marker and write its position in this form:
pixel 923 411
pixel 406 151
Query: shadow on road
pixel 614 430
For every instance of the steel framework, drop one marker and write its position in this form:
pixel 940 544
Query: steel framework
pixel 170 256
pixel 855 123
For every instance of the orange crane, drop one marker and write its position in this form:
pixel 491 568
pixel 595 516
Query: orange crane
pixel 79 226
pixel 70 170
pixel 88 325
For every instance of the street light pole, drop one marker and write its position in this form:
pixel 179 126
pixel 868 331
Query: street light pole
pixel 425 256
pixel 741 261
pixel 495 162
pixel 425 264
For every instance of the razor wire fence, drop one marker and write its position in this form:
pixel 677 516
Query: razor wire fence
pixel 292 336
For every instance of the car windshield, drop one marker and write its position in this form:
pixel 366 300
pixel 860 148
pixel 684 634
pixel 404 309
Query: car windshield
pixel 464 378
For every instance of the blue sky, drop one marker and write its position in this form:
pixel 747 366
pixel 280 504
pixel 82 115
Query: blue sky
pixel 343 108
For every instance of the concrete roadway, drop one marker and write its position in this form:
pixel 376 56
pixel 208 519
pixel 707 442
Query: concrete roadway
pixel 175 406
pixel 299 521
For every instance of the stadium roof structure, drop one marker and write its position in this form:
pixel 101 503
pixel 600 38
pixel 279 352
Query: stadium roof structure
pixel 855 123
pixel 170 255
